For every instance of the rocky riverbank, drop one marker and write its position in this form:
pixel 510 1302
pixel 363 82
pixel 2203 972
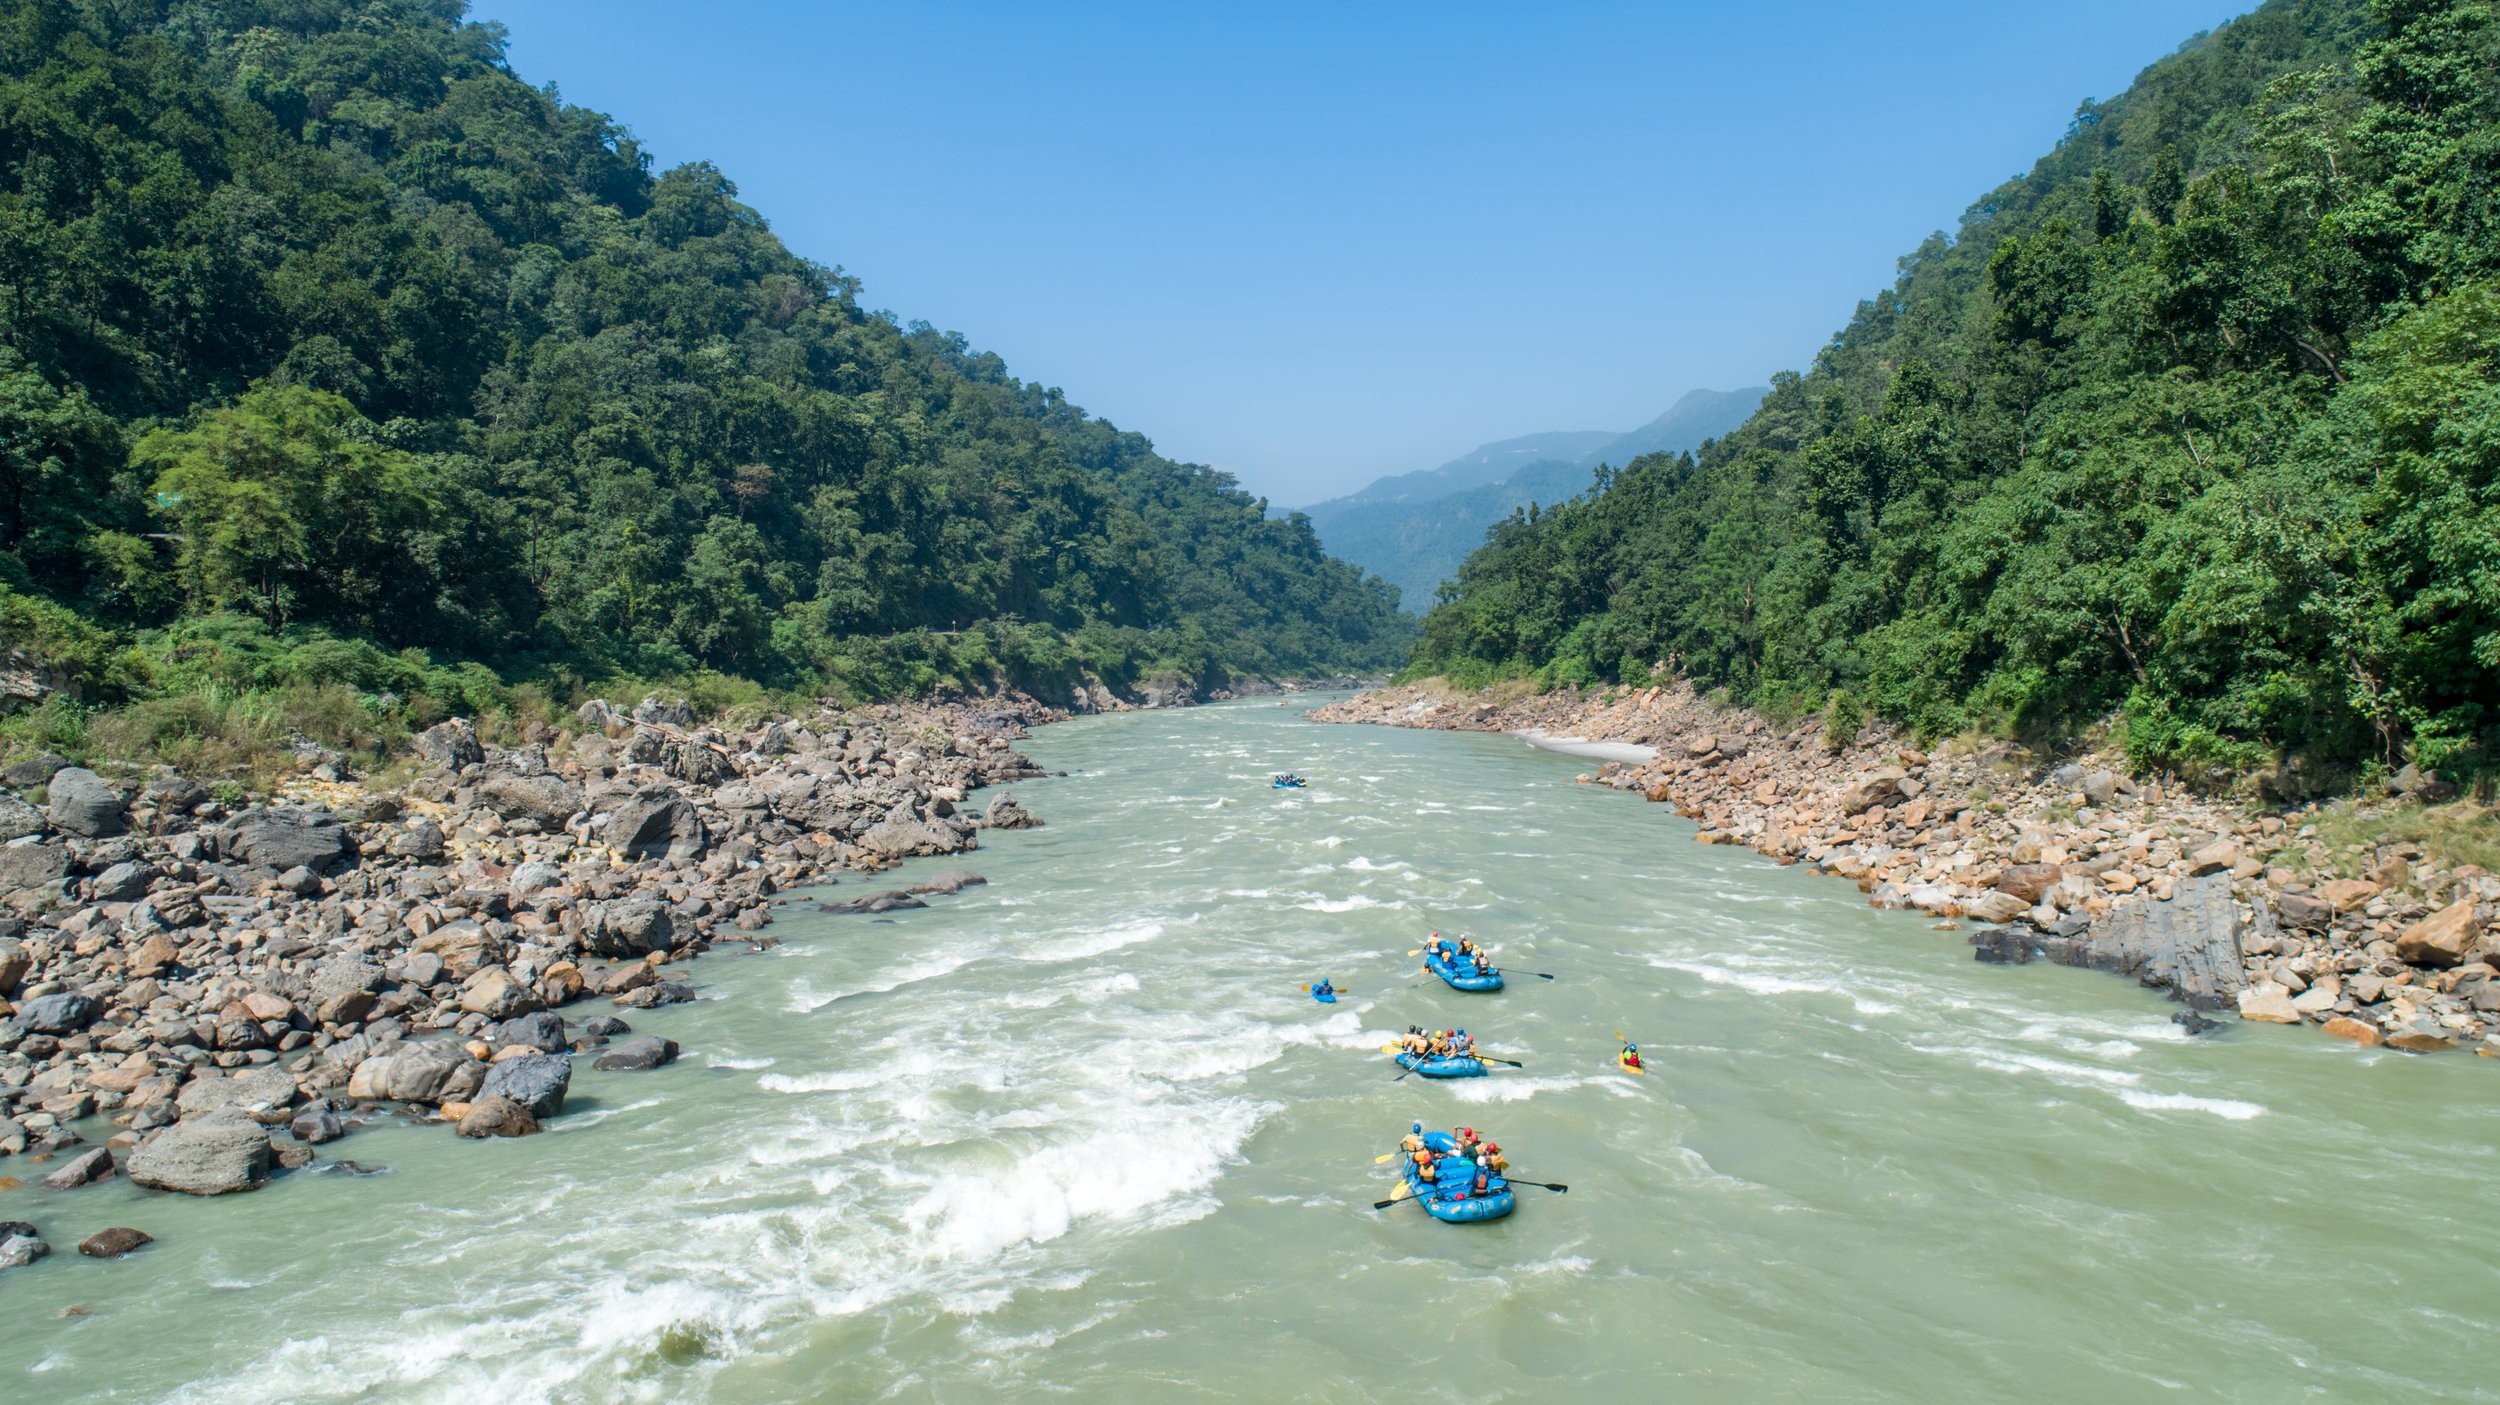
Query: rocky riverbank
pixel 184 976
pixel 2226 906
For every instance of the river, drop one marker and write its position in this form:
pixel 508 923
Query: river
pixel 1077 1135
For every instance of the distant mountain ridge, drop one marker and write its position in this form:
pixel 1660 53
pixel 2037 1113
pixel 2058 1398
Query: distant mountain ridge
pixel 1414 528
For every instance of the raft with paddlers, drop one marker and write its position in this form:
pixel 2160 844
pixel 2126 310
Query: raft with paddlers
pixel 1288 781
pixel 1442 1066
pixel 1454 1188
pixel 1459 977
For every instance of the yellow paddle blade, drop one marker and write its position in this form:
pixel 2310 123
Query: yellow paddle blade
pixel 1385 1158
pixel 1416 952
pixel 1404 1190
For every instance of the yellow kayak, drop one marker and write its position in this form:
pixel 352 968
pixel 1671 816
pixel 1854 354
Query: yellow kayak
pixel 1628 1066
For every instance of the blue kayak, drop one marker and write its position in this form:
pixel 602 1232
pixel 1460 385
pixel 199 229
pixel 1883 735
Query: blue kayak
pixel 1453 1067
pixel 1325 997
pixel 1462 977
pixel 1457 1204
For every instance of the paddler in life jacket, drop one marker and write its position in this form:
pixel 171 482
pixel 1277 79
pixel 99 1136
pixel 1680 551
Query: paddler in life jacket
pixel 1491 1158
pixel 1465 1044
pixel 1468 1141
pixel 1466 947
pixel 1483 965
pixel 1324 987
pixel 1632 1056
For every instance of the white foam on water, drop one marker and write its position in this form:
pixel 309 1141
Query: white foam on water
pixel 2232 1108
pixel 1764 983
pixel 743 1065
pixel 1509 1087
pixel 1363 865
pixel 1100 943
pixel 1352 904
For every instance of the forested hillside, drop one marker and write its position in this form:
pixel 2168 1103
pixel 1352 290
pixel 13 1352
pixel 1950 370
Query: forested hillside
pixel 324 338
pixel 2199 420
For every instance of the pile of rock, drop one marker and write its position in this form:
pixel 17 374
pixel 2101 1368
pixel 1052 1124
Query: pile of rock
pixel 201 972
pixel 2078 862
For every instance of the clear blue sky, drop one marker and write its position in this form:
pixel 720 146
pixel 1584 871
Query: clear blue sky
pixel 1316 243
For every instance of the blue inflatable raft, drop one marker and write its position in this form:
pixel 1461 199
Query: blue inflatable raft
pixel 1461 977
pixel 1287 783
pixel 1456 1203
pixel 1431 1067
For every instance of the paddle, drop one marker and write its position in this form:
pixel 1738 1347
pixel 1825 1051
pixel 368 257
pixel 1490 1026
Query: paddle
pixel 1555 1186
pixel 1403 1192
pixel 1334 990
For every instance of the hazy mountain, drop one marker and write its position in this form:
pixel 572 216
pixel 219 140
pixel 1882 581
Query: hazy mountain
pixel 1414 528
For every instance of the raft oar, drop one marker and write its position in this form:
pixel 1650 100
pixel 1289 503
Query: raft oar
pixel 1401 1193
pixel 1555 1186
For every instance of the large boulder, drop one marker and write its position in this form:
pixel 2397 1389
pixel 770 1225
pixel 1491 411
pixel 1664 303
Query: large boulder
pixel 86 1168
pixel 450 745
pixel 633 929
pixel 18 819
pixel 2029 882
pixel 542 1030
pixel 286 838
pixel 82 802
pixel 897 837
pixel 15 962
pixel 18 1250
pixel 2303 912
pixel 433 1071
pixel 548 799
pixel 535 1081
pixel 650 1051
pixel 63 1014
pixel 1005 813
pixel 495 1115
pixel 343 987
pixel 31 863
pixel 497 994
pixel 33 770
pixel 656 825
pixel 2443 939
pixel 254 1093
pixel 2269 1003
pixel 464 947
pixel 204 1156
pixel 1878 787
pixel 115 1242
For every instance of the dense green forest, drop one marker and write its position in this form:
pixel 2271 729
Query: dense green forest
pixel 2197 423
pixel 334 355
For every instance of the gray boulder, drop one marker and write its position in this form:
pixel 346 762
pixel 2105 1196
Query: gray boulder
pixel 1005 813
pixel 657 825
pixel 19 1250
pixel 86 1168
pixel 284 839
pixel 253 1093
pixel 420 839
pixel 31 863
pixel 314 1128
pixel 633 929
pixel 535 1081
pixel 18 819
pixel 124 882
pixel 62 1014
pixel 205 1156
pixel 432 1071
pixel 667 714
pixel 83 803
pixel 650 1051
pixel 33 771
pixel 897 838
pixel 450 745
pixel 542 1030
pixel 549 800
pixel 343 988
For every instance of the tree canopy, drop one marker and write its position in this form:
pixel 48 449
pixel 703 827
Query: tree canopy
pixel 2198 421
pixel 311 312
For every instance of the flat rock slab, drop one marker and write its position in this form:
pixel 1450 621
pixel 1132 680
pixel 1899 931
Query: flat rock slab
pixel 2188 946
pixel 212 1156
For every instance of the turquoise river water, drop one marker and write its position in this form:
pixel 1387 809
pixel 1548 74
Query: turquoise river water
pixel 1078 1135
